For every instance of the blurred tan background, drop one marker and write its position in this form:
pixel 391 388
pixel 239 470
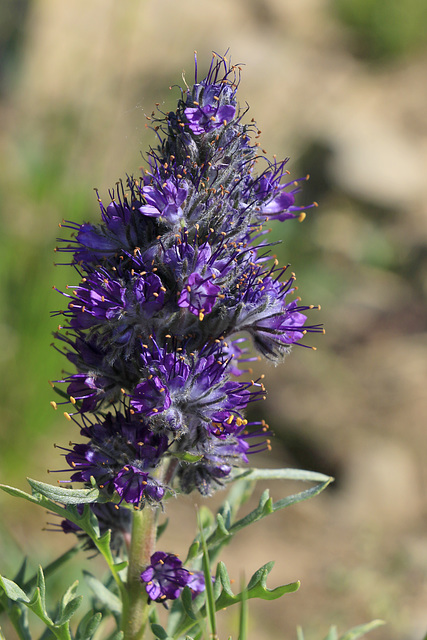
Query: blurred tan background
pixel 341 87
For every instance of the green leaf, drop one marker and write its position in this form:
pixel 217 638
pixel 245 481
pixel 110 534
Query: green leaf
pixel 41 586
pixel 69 610
pixel 65 496
pixel 221 534
pixel 37 606
pixel 300 634
pixel 18 615
pixel 159 632
pixel 359 631
pixel 193 551
pixel 68 605
pixel 13 591
pixel 103 594
pixel 256 588
pixel 88 625
pixel 283 474
pixel 187 603
pixel 333 634
pixel 187 457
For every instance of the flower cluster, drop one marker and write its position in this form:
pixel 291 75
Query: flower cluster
pixel 175 270
pixel 165 578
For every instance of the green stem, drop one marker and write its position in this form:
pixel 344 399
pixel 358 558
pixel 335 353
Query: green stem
pixel 135 605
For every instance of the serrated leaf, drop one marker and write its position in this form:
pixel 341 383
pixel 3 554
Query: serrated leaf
pixel 104 542
pixel 159 632
pixel 361 630
pixel 256 588
pixel 108 598
pixel 88 625
pixel 36 605
pixel 62 495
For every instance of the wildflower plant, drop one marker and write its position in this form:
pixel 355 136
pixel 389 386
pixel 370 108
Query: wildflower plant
pixel 173 290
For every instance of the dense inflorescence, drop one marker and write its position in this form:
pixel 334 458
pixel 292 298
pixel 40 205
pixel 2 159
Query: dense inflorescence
pixel 175 270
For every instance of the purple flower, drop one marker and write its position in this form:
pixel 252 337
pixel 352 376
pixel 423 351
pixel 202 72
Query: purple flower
pixel 202 119
pixel 199 295
pixel 176 269
pixel 165 577
pixel 121 454
pixel 187 393
pixel 164 200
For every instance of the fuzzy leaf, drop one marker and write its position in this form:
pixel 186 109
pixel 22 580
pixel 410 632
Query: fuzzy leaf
pixel 266 506
pixel 193 551
pixel 65 496
pixel 69 610
pixel 37 606
pixel 68 603
pixel 18 614
pixel 256 588
pixel 187 603
pixel 88 625
pixel 103 594
pixel 282 474
pixel 41 586
pixel 13 592
pixel 159 632
pixel 360 630
pixel 187 457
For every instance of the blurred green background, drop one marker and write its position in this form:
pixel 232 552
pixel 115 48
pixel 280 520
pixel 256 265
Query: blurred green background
pixel 341 87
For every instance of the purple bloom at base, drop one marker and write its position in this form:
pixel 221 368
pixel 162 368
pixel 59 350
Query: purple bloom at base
pixel 122 453
pixel 165 577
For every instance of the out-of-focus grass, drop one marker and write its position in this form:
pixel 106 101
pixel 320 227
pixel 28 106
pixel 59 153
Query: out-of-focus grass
pixel 384 30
